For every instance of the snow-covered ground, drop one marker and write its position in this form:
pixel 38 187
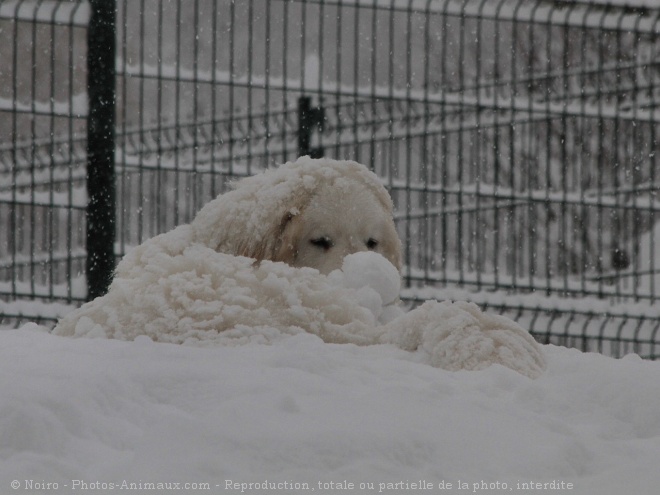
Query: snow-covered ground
pixel 300 413
pixel 204 372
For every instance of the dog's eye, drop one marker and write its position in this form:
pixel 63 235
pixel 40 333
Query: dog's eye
pixel 372 243
pixel 322 242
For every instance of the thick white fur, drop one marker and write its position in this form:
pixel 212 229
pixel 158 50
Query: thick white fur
pixel 200 283
pixel 207 276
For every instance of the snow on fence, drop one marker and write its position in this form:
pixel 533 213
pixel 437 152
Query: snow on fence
pixel 517 138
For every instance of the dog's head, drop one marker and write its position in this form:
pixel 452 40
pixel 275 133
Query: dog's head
pixel 339 219
pixel 305 213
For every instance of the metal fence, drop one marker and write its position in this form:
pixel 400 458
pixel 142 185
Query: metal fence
pixel 517 138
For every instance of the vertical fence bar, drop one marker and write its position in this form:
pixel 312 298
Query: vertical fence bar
pixel 309 119
pixel 13 203
pixel 160 183
pixel 304 131
pixel 179 190
pixel 100 147
pixel 653 157
pixel 32 208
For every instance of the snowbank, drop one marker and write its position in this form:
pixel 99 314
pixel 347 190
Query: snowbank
pixel 202 297
pixel 301 411
pixel 198 296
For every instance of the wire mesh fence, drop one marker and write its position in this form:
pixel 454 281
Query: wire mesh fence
pixel 517 138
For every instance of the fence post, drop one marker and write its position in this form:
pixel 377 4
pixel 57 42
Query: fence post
pixel 309 119
pixel 100 147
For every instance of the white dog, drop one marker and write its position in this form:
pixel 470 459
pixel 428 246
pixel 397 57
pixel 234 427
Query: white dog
pixel 259 261
pixel 307 213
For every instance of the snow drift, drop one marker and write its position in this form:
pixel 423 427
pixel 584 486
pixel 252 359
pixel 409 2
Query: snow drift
pixel 303 411
pixel 201 297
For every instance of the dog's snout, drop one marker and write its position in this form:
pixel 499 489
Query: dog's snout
pixel 354 246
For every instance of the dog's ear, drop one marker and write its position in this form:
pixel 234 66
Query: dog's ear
pixel 285 248
pixel 283 238
pixel 278 244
